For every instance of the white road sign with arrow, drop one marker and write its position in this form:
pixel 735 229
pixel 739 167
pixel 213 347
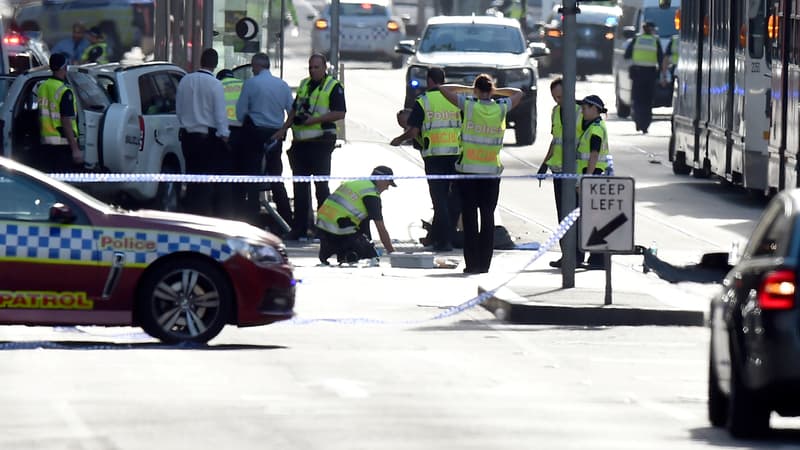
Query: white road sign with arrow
pixel 607 214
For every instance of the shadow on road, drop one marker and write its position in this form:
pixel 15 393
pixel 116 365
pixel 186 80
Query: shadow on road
pixel 100 345
pixel 776 438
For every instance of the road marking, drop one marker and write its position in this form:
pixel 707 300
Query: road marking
pixel 345 388
pixel 73 421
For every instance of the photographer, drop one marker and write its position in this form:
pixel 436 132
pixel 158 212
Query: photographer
pixel 318 105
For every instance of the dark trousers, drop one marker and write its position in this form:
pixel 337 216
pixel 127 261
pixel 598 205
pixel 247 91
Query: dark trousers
pixel 644 84
pixel 252 160
pixel 478 198
pixel 348 248
pixel 595 259
pixel 53 159
pixel 206 154
pixel 446 204
pixel 306 158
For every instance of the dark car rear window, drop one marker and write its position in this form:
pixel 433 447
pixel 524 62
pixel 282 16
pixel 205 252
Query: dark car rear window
pixel 359 9
pixel 472 38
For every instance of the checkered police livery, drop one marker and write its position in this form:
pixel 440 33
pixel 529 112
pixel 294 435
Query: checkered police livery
pixel 82 244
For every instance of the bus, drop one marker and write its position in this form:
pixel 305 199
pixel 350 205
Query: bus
pixel 721 111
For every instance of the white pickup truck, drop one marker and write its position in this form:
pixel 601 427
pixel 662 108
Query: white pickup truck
pixel 126 122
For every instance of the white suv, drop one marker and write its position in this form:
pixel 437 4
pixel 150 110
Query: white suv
pixel 126 123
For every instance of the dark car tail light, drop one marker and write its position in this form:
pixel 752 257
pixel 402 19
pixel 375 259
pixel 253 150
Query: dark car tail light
pixel 392 26
pixel 777 290
pixel 321 24
pixel 14 39
pixel 553 33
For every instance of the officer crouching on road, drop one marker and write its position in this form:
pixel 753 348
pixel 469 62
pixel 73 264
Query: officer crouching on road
pixel 59 150
pixel 592 154
pixel 343 219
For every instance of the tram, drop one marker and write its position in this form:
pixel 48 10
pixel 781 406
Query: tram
pixel 721 110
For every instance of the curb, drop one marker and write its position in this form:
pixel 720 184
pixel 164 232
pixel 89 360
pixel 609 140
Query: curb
pixel 553 314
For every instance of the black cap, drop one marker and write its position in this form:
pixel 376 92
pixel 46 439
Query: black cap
pixel 384 170
pixel 649 24
pixel 594 101
pixel 225 73
pixel 57 61
pixel 95 31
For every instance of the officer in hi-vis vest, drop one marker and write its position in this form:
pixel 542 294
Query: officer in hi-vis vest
pixel 344 217
pixel 554 158
pixel 645 53
pixel 97 51
pixel 592 154
pixel 59 150
pixel 482 128
pixel 435 124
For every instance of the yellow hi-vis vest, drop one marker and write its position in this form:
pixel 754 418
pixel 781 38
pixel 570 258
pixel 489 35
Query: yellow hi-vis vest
pixel 482 137
pixel 50 94
pixel 318 103
pixel 596 128
pixel 441 127
pixel 233 89
pixel 645 51
pixel 102 59
pixel 346 202
pixel 675 46
pixel 557 158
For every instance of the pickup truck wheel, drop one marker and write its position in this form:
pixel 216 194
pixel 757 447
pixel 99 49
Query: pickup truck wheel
pixel 748 415
pixel 397 63
pixel 717 401
pixel 184 300
pixel 623 110
pixel 525 127
pixel 168 194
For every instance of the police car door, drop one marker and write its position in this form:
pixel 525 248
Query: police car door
pixel 158 90
pixel 92 105
pixel 48 257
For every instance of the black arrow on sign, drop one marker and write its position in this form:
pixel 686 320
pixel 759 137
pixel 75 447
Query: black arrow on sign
pixel 598 237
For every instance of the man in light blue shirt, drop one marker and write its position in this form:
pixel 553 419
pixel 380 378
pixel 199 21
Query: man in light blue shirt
pixel 73 47
pixel 262 107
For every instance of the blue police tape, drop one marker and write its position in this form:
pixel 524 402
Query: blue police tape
pixel 562 229
pixel 211 178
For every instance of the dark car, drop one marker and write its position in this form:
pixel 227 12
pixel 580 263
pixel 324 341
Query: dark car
pixel 594 39
pixel 755 327
pixel 466 46
pixel 69 259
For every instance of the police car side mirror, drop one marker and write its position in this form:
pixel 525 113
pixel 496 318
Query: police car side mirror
pixel 538 49
pixel 405 47
pixel 629 32
pixel 61 213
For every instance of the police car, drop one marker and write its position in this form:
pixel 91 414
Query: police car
pixel 67 258
pixel 126 124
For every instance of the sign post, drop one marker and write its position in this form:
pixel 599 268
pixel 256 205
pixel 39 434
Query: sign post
pixel 607 212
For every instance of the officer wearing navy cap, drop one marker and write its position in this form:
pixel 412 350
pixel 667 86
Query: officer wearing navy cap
pixel 344 217
pixel 59 150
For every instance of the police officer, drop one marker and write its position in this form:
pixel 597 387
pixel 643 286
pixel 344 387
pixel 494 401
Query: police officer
pixel 344 217
pixel 645 53
pixel 262 109
pixel 204 133
pixel 554 158
pixel 482 128
pixel 59 150
pixel 592 154
pixel 435 126
pixel 97 51
pixel 232 89
pixel 319 103
pixel 670 60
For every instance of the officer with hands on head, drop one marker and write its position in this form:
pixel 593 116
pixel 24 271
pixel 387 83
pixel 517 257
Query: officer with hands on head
pixel 592 153
pixel 59 150
pixel 97 51
pixel 344 217
pixel 262 108
pixel 204 133
pixel 318 104
pixel 434 124
pixel 645 54
pixel 74 46
pixel 483 125
pixel 554 158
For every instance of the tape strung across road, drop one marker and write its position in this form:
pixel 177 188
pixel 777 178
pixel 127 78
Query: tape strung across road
pixel 90 177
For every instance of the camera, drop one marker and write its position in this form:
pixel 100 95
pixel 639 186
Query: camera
pixel 300 119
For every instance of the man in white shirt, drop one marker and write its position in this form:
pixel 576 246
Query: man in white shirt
pixel 200 107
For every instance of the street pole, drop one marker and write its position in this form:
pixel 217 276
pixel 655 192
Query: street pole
pixel 568 196
pixel 334 57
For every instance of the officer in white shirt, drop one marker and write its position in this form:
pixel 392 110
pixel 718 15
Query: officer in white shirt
pixel 200 107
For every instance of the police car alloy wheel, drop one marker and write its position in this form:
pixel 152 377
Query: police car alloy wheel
pixel 184 300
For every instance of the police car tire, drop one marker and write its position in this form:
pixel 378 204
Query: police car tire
pixel 150 307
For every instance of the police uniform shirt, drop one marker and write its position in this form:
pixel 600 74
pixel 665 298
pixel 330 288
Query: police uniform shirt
pixel 336 101
pixel 659 52
pixel 374 211
pixel 265 98
pixel 417 117
pixel 67 105
pixel 595 142
pixel 200 104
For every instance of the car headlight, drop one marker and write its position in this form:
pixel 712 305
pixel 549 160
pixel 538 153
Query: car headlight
pixel 519 78
pixel 417 77
pixel 258 253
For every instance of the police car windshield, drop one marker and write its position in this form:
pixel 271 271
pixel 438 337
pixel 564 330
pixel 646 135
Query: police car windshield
pixel 664 20
pixel 472 38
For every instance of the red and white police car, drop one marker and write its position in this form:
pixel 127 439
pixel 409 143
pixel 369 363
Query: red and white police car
pixel 67 258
